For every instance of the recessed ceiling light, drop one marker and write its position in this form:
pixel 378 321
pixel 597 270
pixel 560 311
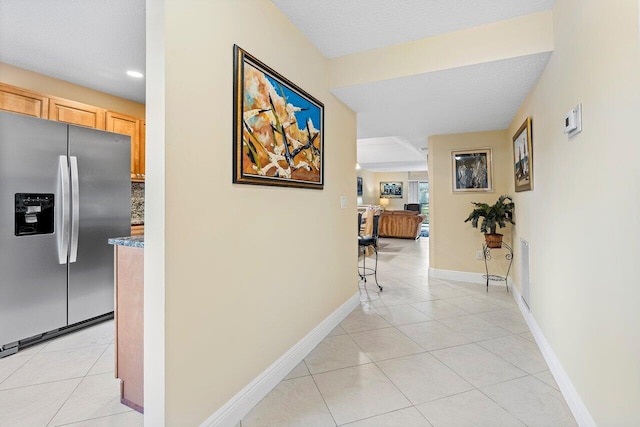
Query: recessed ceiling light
pixel 135 74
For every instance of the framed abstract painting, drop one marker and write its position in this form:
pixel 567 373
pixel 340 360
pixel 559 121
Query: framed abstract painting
pixel 472 170
pixel 278 128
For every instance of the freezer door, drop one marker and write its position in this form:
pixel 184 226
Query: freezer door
pixel 33 283
pixel 102 186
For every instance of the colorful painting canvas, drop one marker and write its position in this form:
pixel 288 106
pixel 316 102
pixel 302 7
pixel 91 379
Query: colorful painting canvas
pixel 278 129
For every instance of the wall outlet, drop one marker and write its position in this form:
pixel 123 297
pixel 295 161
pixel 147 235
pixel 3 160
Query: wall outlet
pixel 479 255
pixel 343 202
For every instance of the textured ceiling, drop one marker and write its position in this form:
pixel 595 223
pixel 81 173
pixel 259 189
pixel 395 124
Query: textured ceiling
pixel 342 27
pixel 395 113
pixel 466 99
pixel 390 154
pixel 91 43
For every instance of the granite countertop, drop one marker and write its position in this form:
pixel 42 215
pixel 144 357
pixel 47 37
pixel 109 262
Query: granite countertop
pixel 133 241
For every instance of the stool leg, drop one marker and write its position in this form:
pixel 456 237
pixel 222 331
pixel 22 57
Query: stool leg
pixel 375 270
pixel 364 265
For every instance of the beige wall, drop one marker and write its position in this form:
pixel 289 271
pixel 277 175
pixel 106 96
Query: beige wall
pixel 520 36
pixel 581 219
pixel 249 270
pixel 453 244
pixel 370 190
pixel 155 202
pixel 419 176
pixel 49 86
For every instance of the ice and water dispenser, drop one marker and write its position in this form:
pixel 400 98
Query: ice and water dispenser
pixel 34 214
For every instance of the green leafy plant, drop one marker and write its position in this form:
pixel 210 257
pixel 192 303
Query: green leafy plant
pixel 492 216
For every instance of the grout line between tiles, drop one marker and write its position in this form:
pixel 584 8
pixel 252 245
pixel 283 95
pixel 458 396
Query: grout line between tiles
pixel 17 367
pixel 92 419
pixel 65 401
pixel 323 401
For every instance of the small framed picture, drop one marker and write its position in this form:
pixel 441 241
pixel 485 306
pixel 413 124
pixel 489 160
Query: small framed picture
pixel 472 170
pixel 523 157
pixel 360 186
pixel 391 190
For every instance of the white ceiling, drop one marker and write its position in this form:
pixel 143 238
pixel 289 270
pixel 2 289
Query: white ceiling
pixel 466 99
pixel 92 43
pixel 342 27
pixel 410 109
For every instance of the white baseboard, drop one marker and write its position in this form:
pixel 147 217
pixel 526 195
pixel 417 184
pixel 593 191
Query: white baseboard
pixel 235 409
pixel 462 276
pixel 574 401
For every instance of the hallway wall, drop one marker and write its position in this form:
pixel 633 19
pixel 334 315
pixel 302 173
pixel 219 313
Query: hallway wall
pixel 453 244
pixel 238 274
pixel 581 219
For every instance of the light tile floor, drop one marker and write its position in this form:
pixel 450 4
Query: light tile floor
pixel 421 353
pixel 67 381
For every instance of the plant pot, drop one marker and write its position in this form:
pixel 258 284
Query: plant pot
pixel 493 240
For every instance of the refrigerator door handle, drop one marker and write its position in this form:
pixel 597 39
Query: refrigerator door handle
pixel 75 209
pixel 63 218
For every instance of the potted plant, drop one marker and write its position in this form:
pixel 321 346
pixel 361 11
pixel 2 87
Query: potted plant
pixel 492 216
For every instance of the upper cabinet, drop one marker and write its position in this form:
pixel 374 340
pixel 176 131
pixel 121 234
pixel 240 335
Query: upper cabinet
pixel 143 146
pixel 76 113
pixel 132 126
pixel 16 100
pixel 22 101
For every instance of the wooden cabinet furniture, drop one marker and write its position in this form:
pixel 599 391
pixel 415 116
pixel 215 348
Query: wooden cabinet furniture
pixel 129 125
pixel 16 100
pixel 76 113
pixel 142 147
pixel 129 321
pixel 31 103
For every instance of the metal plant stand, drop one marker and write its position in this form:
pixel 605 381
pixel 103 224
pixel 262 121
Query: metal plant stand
pixel 486 250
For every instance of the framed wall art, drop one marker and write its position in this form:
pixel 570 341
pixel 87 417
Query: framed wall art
pixel 360 184
pixel 472 170
pixel 391 190
pixel 523 157
pixel 278 128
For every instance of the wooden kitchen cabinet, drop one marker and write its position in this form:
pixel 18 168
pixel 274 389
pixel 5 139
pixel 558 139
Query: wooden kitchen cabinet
pixel 132 126
pixel 76 113
pixel 129 315
pixel 23 101
pixel 142 147
pixel 16 100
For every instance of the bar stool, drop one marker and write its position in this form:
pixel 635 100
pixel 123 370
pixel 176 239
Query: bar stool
pixel 365 242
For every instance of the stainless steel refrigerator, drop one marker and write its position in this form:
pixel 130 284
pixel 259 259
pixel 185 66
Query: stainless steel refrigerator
pixel 64 190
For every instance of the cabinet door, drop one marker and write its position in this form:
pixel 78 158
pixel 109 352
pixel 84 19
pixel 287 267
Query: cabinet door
pixel 16 100
pixel 127 125
pixel 76 113
pixel 142 147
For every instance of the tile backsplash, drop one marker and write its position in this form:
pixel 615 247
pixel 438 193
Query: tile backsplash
pixel 137 203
